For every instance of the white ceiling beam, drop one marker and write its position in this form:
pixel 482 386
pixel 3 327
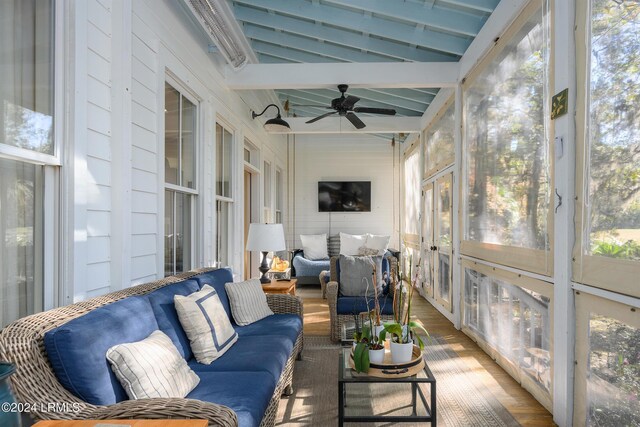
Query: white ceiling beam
pixel 342 125
pixel 356 75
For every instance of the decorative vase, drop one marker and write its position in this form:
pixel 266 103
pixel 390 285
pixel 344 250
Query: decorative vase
pixel 376 356
pixel 401 353
pixel 10 418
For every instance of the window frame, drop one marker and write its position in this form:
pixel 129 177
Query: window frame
pixel 410 239
pixel 587 304
pixel 616 275
pixel 228 201
pixel 56 291
pixel 192 193
pixel 436 120
pixel 527 259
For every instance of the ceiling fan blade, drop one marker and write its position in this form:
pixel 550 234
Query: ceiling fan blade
pixel 349 102
pixel 355 120
pixel 321 117
pixel 387 111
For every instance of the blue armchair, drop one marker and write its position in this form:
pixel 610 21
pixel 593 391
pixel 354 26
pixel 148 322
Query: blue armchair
pixel 305 270
pixel 343 308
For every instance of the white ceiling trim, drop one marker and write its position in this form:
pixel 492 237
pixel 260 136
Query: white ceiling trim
pixel 356 75
pixel 342 125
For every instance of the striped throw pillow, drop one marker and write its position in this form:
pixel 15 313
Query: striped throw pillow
pixel 248 301
pixel 152 368
pixel 333 244
pixel 206 324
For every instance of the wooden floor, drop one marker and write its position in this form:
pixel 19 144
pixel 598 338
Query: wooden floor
pixel 524 408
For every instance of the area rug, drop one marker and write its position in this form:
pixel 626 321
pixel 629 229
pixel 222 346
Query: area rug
pixel 462 399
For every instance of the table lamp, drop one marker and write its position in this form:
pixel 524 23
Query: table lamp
pixel 265 238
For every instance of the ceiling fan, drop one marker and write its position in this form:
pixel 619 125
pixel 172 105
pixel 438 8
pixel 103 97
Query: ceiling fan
pixel 345 107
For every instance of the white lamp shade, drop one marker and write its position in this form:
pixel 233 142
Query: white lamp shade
pixel 266 237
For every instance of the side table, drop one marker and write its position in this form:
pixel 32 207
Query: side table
pixel 280 287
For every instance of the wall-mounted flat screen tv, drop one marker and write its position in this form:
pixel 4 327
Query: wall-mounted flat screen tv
pixel 344 196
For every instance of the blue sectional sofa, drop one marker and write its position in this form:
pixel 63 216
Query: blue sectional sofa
pixel 66 352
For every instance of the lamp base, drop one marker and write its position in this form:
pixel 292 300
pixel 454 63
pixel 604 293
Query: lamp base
pixel 264 267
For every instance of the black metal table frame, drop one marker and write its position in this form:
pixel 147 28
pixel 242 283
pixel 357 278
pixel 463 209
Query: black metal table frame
pixel 415 391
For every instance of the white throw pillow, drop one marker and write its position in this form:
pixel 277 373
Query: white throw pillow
pixel 152 368
pixel 205 322
pixel 314 246
pixel 248 301
pixel 350 244
pixel 380 243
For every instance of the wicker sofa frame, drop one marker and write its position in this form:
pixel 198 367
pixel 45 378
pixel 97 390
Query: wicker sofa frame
pixel 35 383
pixel 338 320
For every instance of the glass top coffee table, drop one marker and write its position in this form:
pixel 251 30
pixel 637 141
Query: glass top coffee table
pixel 395 400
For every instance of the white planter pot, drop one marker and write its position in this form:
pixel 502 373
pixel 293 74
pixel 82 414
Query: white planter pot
pixel 376 356
pixel 401 353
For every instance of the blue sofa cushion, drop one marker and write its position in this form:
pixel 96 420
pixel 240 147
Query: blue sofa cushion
pixel 355 305
pixel 77 350
pixel 246 393
pixel 167 317
pixel 217 279
pixel 252 354
pixel 289 325
pixel 307 267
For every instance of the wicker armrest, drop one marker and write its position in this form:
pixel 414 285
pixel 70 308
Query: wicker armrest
pixel 332 291
pixel 217 415
pixel 285 304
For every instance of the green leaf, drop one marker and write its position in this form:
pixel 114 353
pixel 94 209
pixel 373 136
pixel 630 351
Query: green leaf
pixel 361 357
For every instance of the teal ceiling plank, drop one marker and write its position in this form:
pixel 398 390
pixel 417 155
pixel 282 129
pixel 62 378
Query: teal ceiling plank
pixel 289 54
pixel 399 47
pixel 399 51
pixel 434 17
pixel 324 97
pixel 268 59
pixel 421 98
pixel 312 46
pixel 486 6
pixel 391 100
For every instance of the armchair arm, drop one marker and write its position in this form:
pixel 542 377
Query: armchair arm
pixel 332 299
pixel 295 253
pixel 285 304
pixel 160 408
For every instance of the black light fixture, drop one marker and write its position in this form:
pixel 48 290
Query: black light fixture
pixel 273 125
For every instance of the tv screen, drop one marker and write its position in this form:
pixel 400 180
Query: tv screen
pixel 344 196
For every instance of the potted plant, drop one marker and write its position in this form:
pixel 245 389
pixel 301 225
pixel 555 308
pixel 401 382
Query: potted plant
pixel 403 329
pixel 369 343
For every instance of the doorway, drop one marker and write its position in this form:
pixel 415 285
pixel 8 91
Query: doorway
pixel 437 239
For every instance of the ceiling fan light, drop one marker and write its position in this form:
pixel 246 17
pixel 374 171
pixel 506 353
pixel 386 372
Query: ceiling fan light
pixel 277 125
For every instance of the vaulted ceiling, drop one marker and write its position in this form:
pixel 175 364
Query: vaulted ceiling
pixel 315 31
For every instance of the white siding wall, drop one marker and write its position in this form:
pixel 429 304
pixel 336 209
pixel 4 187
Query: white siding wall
pixel 99 140
pixel 345 158
pixel 122 53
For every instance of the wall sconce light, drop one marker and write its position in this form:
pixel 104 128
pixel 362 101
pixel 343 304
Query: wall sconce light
pixel 273 125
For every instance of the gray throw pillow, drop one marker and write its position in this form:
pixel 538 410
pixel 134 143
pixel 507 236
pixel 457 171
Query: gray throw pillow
pixel 353 269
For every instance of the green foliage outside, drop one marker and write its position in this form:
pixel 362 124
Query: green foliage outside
pixel 614 379
pixel 614 152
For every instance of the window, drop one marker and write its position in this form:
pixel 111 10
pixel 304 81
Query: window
pixel 440 141
pixel 512 316
pixel 26 87
pixel 180 124
pixel 607 377
pixel 27 136
pixel 266 176
pixel 279 195
pixel 224 197
pixel 609 223
pixel 412 197
pixel 508 184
